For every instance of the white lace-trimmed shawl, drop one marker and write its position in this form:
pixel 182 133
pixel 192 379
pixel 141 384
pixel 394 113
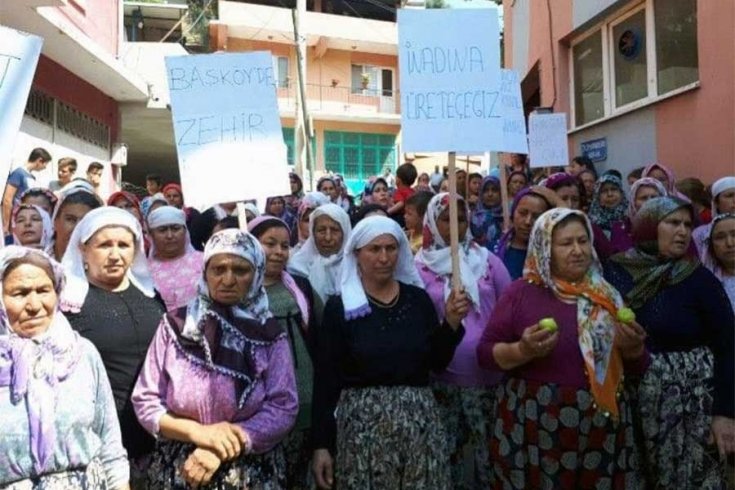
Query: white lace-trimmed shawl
pixel 322 272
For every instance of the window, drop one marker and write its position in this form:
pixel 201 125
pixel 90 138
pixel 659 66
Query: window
pixel 676 44
pixel 634 58
pixel 371 80
pixel 357 156
pixel 289 137
pixel 588 98
pixel 280 71
pixel 629 58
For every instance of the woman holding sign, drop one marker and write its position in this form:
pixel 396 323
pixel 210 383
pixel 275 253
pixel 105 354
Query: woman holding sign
pixel 562 418
pixel 379 341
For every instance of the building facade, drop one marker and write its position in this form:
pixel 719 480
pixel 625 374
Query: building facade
pixel 351 81
pixel 74 106
pixel 641 81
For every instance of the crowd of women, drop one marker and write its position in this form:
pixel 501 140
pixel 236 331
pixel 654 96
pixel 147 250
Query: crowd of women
pixel 144 345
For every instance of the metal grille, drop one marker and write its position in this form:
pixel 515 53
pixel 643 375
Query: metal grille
pixel 358 155
pixel 40 107
pixel 81 126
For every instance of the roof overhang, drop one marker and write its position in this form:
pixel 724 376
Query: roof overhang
pixel 68 46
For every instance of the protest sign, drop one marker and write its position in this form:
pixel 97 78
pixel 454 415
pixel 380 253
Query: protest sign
pixel 449 62
pixel 19 54
pixel 547 140
pixel 227 127
pixel 514 138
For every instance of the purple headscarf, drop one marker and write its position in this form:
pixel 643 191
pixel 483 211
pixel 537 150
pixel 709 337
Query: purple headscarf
pixel 33 367
pixel 507 237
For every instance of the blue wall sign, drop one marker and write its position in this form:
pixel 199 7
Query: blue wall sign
pixel 595 150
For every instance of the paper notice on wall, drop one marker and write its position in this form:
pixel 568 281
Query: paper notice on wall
pixel 547 140
pixel 449 63
pixel 227 128
pixel 19 54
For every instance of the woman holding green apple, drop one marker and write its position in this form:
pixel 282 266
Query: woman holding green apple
pixel 562 418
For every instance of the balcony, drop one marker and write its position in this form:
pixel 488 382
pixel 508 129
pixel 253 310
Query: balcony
pixel 342 103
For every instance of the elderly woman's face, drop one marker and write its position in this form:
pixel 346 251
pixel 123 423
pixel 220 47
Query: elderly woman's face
pixel 30 300
pixel 170 240
pixel 228 278
pixel 328 236
pixel 377 260
pixel 723 243
pixel 29 227
pixel 108 255
pixel 643 194
pixel 675 234
pixel 571 251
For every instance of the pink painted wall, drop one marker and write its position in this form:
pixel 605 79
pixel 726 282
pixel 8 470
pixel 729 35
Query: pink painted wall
pixel 696 130
pixel 98 19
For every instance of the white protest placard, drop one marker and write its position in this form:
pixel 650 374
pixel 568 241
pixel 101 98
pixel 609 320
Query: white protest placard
pixel 449 61
pixel 227 127
pixel 19 54
pixel 547 140
pixel 514 139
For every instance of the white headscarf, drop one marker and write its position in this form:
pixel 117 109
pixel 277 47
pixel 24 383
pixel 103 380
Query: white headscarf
pixel 165 216
pixel 48 228
pixel 436 254
pixel 73 296
pixel 353 295
pixel 322 272
pixel 718 188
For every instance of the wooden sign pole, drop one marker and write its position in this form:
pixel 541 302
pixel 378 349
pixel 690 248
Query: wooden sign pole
pixel 454 222
pixel 242 218
pixel 504 197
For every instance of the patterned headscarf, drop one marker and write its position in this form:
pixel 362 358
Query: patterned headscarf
pixel 147 203
pixel 706 254
pixel 597 305
pixel 651 272
pixel 602 216
pixel 436 253
pixel 223 337
pixel 485 221
pixel 48 228
pixel 32 368
pixel 644 182
pixel 671 189
pixel 354 299
pixel 52 198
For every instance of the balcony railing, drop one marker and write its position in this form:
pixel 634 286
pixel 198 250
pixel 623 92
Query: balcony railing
pixel 340 99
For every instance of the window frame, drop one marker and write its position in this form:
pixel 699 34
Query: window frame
pixel 605 27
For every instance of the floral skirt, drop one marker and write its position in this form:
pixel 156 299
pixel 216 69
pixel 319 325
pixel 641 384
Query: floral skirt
pixel 390 438
pixel 90 478
pixel 250 472
pixel 674 410
pixel 467 414
pixel 298 460
pixel 551 437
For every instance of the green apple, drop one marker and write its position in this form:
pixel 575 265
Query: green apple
pixel 626 315
pixel 549 324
